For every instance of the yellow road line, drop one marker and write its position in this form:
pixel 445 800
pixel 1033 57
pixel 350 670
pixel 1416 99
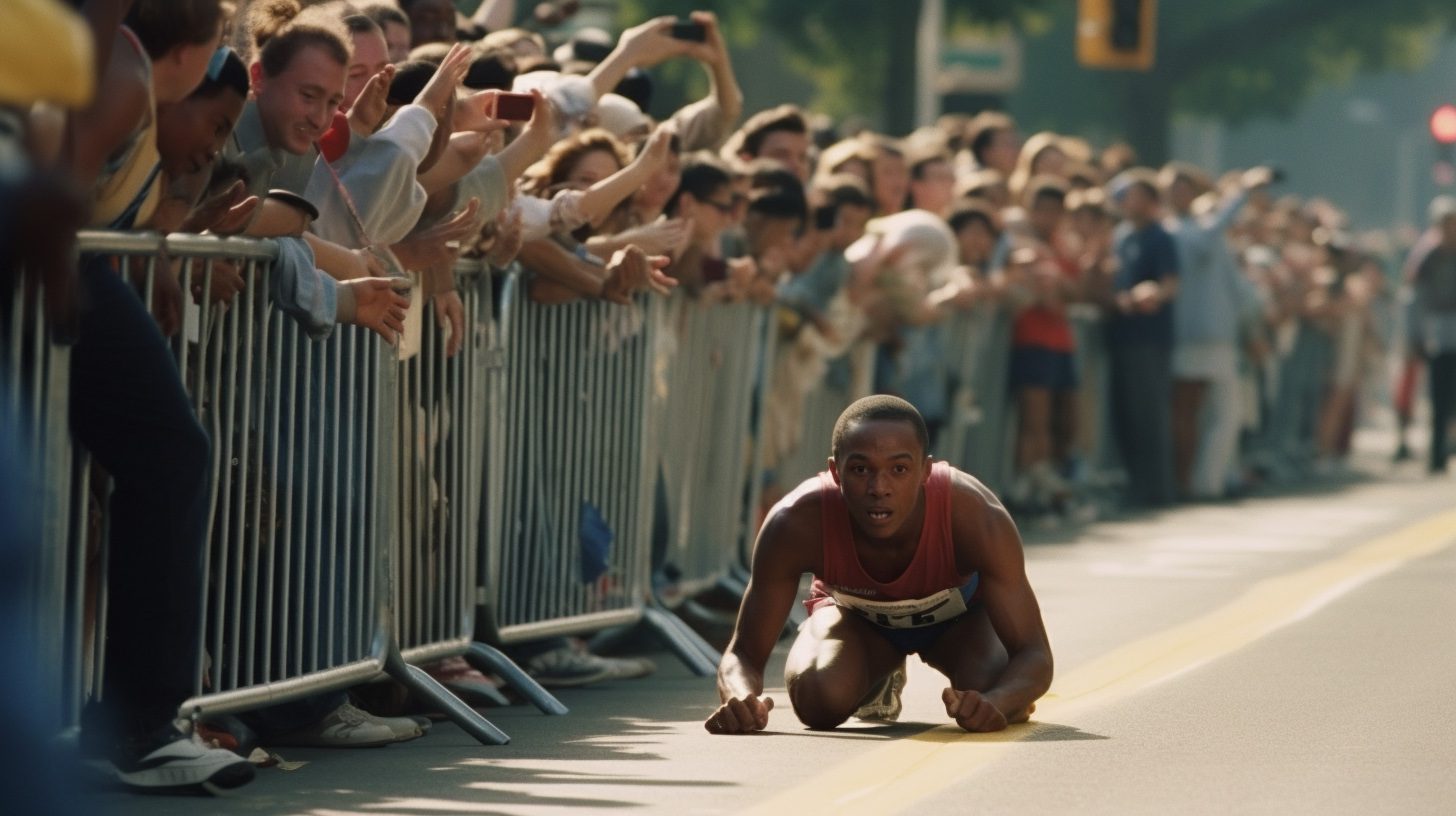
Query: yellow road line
pixel 892 777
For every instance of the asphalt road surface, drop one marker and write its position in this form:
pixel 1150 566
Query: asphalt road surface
pixel 1291 654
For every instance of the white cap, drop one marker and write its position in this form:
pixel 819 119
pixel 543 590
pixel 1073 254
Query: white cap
pixel 572 96
pixel 932 245
pixel 622 117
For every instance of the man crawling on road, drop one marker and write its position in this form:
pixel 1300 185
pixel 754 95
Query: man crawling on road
pixel 909 556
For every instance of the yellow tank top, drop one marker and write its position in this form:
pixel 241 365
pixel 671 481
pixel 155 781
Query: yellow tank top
pixel 130 176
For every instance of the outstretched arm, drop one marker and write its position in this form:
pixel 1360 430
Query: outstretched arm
pixel 641 46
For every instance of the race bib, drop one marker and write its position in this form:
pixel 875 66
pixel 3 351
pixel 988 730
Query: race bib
pixel 912 614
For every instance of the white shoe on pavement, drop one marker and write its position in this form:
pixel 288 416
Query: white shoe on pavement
pixel 175 759
pixel 884 705
pixel 349 726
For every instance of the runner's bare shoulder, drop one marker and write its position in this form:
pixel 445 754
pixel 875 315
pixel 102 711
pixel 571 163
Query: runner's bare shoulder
pixel 792 530
pixel 979 521
pixel 968 492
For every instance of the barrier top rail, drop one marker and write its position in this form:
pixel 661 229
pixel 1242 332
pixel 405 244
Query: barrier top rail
pixel 192 245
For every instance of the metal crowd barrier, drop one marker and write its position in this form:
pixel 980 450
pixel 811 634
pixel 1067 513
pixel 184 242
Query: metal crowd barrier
pixel 299 564
pixel 978 434
pixel 448 414
pixel 296 586
pixel 707 399
pixel 1102 472
pixel 1285 443
pixel 570 552
pixel 66 638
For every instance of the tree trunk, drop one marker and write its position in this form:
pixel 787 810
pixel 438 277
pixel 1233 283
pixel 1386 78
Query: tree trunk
pixel 899 92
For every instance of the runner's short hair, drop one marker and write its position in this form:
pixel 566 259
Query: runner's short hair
pixel 878 408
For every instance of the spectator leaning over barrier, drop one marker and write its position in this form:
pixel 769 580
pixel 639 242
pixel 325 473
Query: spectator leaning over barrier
pixel 843 213
pixel 1207 319
pixel 190 136
pixel 704 201
pixel 778 214
pixel 1140 339
pixel 595 163
pixel 298 79
pixel 1433 326
pixel 913 296
pixel 128 403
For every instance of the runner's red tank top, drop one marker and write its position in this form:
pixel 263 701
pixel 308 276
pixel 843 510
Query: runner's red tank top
pixel 931 570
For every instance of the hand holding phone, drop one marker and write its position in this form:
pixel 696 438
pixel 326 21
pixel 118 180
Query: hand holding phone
pixel 513 107
pixel 690 31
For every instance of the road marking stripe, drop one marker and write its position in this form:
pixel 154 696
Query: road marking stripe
pixel 893 777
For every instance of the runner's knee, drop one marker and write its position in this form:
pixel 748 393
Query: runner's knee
pixel 819 702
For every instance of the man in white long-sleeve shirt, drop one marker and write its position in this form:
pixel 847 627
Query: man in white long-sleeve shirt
pixel 1206 329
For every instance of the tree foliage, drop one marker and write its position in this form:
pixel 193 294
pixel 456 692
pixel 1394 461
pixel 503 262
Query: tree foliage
pixel 859 53
pixel 1242 59
pixel 1234 59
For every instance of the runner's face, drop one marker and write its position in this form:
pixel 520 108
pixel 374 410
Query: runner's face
pixel 881 470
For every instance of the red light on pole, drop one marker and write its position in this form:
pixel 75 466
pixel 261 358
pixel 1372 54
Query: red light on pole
pixel 1443 124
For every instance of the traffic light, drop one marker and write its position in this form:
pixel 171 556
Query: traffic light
pixel 1443 130
pixel 1117 34
pixel 1443 124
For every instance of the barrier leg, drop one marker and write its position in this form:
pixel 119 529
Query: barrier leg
pixel 490 659
pixel 421 683
pixel 700 657
pixel 494 695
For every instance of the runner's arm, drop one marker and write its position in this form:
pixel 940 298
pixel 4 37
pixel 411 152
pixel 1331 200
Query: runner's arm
pixel 994 545
pixel 771 589
pixel 777 565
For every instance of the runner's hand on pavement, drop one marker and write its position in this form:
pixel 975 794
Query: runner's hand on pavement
pixel 972 711
pixel 740 716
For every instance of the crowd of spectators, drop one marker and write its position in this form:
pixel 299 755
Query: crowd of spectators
pixel 377 143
